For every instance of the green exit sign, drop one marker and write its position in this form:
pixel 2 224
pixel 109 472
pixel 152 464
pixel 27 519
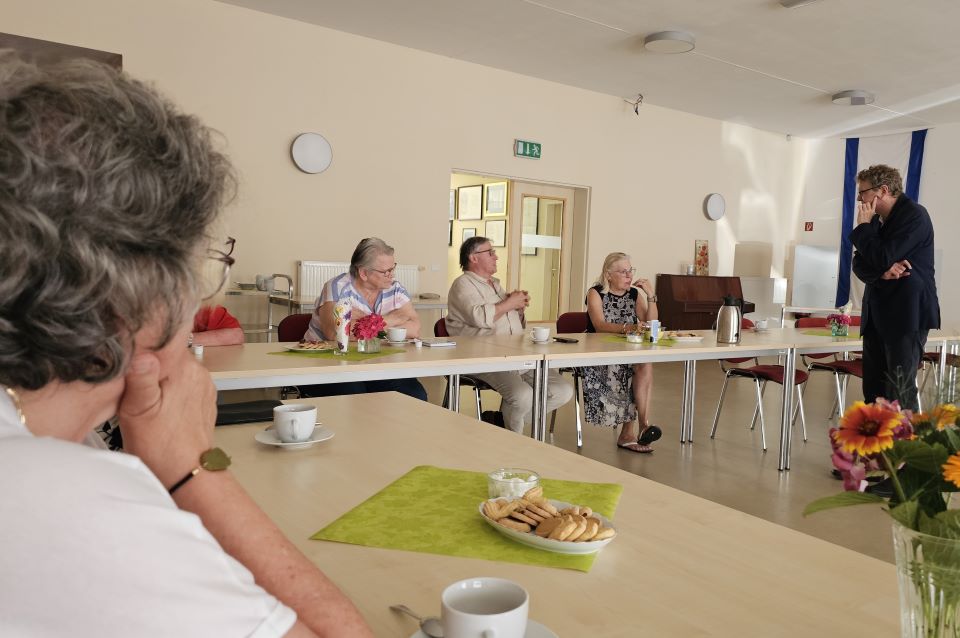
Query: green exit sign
pixel 523 148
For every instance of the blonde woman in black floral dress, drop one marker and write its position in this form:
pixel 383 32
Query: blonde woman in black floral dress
pixel 619 395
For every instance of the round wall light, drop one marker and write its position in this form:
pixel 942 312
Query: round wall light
pixel 714 206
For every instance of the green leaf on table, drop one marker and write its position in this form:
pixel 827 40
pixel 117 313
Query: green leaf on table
pixel 906 514
pixel 844 499
pixel 953 438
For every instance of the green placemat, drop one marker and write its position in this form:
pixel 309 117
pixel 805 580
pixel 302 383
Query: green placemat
pixel 434 510
pixel 825 332
pixel 351 355
pixel 667 343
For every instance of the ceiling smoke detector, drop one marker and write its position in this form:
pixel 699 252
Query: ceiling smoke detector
pixel 669 42
pixel 793 4
pixel 853 97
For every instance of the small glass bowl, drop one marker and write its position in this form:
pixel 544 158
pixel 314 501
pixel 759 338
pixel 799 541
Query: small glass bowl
pixel 635 337
pixel 511 482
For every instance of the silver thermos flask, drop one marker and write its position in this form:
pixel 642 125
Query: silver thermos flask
pixel 728 321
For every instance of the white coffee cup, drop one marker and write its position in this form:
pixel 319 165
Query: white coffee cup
pixel 484 608
pixel 397 334
pixel 540 333
pixel 294 422
pixel 761 324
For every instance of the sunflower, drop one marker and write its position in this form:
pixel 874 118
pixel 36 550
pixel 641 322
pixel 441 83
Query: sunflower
pixel 867 429
pixel 951 470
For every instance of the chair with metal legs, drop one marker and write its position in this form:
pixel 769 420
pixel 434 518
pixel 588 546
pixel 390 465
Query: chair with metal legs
pixel 568 323
pixel 440 330
pixel 760 374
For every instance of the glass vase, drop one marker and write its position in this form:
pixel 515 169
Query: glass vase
pixel 368 345
pixel 928 570
pixel 839 329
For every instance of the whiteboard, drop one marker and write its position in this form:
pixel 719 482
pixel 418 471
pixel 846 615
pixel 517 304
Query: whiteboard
pixel 815 276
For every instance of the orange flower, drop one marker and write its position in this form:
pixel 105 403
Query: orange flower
pixel 951 469
pixel 866 429
pixel 944 415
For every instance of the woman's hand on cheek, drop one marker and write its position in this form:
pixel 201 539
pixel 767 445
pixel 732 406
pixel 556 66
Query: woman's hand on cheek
pixel 167 423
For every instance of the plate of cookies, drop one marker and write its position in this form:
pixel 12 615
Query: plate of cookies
pixel 310 346
pixel 547 524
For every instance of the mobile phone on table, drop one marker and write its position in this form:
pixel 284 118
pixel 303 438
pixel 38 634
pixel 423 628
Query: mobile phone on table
pixel 566 340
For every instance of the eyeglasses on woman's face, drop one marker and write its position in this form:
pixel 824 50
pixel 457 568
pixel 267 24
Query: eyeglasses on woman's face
pixel 216 269
pixel 386 273
pixel 628 272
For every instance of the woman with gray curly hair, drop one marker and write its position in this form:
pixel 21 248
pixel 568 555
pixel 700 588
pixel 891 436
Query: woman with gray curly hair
pixel 107 197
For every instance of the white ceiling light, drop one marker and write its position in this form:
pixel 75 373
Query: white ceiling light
pixel 669 42
pixel 853 97
pixel 793 4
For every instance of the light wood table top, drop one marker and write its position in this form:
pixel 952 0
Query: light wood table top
pixel 252 365
pixel 680 566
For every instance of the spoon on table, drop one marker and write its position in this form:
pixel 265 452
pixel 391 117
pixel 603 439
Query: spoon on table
pixel 429 625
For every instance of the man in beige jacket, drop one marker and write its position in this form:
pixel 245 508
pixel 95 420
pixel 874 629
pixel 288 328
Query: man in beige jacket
pixel 478 305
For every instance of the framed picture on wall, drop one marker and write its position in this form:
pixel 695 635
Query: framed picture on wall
pixel 469 202
pixel 531 219
pixel 495 199
pixel 496 232
pixel 449 233
pixel 453 204
pixel 468 233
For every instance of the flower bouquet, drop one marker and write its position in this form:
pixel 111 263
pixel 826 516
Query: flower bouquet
pixel 368 330
pixel 839 324
pixel 918 455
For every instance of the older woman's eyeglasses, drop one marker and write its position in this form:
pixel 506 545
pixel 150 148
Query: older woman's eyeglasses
pixel 386 273
pixel 216 269
pixel 624 273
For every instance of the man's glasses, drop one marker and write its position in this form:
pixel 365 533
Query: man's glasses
pixel 493 253
pixel 867 190
pixel 625 273
pixel 216 269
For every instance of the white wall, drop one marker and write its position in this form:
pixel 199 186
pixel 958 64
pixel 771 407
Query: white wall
pixel 401 120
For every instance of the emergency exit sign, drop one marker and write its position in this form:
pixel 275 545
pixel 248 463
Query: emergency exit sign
pixel 523 148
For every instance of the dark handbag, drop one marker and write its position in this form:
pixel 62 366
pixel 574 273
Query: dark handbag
pixel 246 411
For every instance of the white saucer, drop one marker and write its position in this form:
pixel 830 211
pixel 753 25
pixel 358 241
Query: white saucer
pixel 269 437
pixel 534 630
pixel 400 343
pixel 540 343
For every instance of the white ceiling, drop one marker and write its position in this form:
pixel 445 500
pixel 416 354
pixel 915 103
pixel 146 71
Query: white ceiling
pixel 755 62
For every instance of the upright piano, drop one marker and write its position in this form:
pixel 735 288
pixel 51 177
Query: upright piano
pixel 691 302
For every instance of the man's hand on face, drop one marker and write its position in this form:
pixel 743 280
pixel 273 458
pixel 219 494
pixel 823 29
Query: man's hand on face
pixel 866 211
pixel 899 270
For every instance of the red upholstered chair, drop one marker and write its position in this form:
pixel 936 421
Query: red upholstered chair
pixel 760 374
pixel 569 323
pixel 293 327
pixel 841 369
pixel 440 330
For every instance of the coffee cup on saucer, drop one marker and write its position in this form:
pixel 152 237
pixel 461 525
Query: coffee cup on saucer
pixel 397 335
pixel 761 324
pixel 540 334
pixel 294 422
pixel 481 607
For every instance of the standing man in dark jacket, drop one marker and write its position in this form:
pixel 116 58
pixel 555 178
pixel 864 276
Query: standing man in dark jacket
pixel 894 258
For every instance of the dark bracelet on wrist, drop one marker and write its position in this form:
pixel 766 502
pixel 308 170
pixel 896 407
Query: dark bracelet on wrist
pixel 176 486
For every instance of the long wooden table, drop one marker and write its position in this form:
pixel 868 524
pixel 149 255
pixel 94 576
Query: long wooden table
pixel 252 365
pixel 680 566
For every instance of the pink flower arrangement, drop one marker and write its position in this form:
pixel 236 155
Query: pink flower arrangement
pixel 369 327
pixel 839 319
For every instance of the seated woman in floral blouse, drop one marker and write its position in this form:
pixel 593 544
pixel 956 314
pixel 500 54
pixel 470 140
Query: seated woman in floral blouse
pixel 619 395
